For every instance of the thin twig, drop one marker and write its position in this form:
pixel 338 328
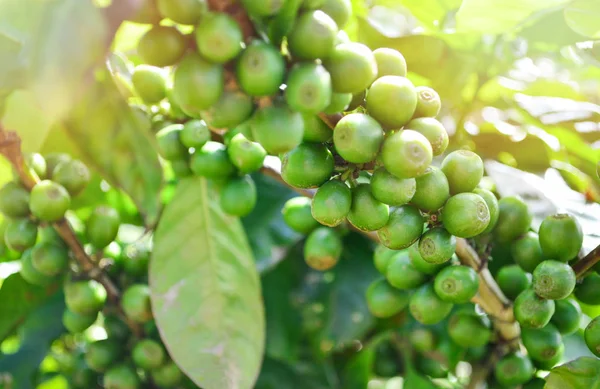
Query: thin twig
pixel 582 266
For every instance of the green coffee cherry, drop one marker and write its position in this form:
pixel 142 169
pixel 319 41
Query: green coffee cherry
pixel 339 103
pixel 382 257
pixel 136 260
pixel 211 161
pixel 492 202
pixel 308 88
pixel 542 344
pixel 323 249
pixel 297 215
pixel 20 234
pixel 428 102
pixel 74 175
pixel 116 328
pixel 182 11
pixel 260 69
pixel 49 201
pixel 238 197
pixel 313 35
pixel 219 37
pixel 30 274
pixel 85 297
pixel 121 377
pixel 437 246
pixel 404 227
pixel 307 166
pixel 277 128
pixel 433 130
pixel 423 339
pixel 36 164
pixel 197 84
pixel 392 101
pixel 465 215
pixel 514 369
pixel 14 200
pixel 390 62
pixel 232 109
pixel 169 142
pixel 332 203
pixel 390 189
pixel 587 290
pixel 385 301
pixel 162 46
pixel 548 365
pixel 561 237
pixel 514 219
pixel 149 83
pixel 366 212
pixel 567 316
pixel 136 303
pixel 246 156
pixel 315 130
pixel 76 323
pixel 339 10
pixel 531 311
pixel 102 354
pixel 592 336
pixel 402 274
pixel 464 170
pixel 512 280
pixel 167 376
pixel 456 284
pixel 432 190
pixel 357 138
pixel 421 264
pixel 53 160
pixel 468 329
pixel 50 259
pixel 352 67
pixel 103 226
pixel 406 154
pixel 426 307
pixel 553 280
pixel 527 251
pixel 148 354
pixel 195 133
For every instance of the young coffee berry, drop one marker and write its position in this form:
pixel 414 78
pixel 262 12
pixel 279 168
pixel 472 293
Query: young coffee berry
pixel 49 201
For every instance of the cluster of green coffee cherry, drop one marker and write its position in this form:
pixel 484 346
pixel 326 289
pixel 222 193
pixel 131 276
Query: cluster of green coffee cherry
pixel 46 259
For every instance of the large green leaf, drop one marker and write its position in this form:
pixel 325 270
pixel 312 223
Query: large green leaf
pixel 583 16
pixel 118 143
pixel 18 299
pixel 278 375
pixel 581 373
pixel 206 294
pixel 498 16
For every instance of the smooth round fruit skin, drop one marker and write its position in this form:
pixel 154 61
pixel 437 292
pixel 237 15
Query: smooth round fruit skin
pixel 246 156
pixel 339 10
pixel 382 257
pixel 553 280
pixel 548 365
pixel 532 311
pixel 182 11
pixel 297 215
pixel 465 215
pixel 136 303
pixel 36 164
pixel 307 166
pixel 147 13
pixel 542 344
pixel 195 133
pixel 262 8
pixel 315 130
pixel 239 196
pixel 404 227
pixel 492 203
pixel 421 264
pixel 567 316
pixel 392 190
pixel 514 219
pixel 103 226
pixel 433 130
pixel 332 203
pixel 20 234
pixel 426 307
pixel 385 301
pixel 357 138
pixel 169 142
pixel 339 103
pixel 49 259
pixel 308 88
pixel 232 109
pixel 514 369
pixel 49 201
pixel 402 274
pixel 101 354
pixel 587 290
pixel 277 128
pixel 464 170
pixel 512 280
pixel 406 154
pixel 219 37
pixel 423 339
pixel 432 190
pixel 76 323
pixel 366 212
pixel 561 237
pixel 468 330
pixel 592 336
pixel 148 354
pixel 149 83
pixel 456 284
pixel 352 67
pixel 53 159
pixel 392 101
pixel 323 248
pixel 428 102
pixel 85 297
pixel 162 46
pixel 197 84
pixel 437 245
pixel 390 62
pixel 260 69
pixel 14 200
pixel 313 35
pixel 74 175
pixel 167 376
pixel 211 161
pixel 30 274
pixel 121 377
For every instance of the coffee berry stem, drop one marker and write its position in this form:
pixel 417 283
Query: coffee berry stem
pixel 584 264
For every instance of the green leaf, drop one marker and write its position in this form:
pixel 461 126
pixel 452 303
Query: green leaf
pixel 206 294
pixel 583 17
pixel 24 115
pixel 278 375
pixel 282 24
pixel 19 298
pixel 581 373
pixel 357 372
pixel 41 328
pixel 415 380
pixel 116 141
pixel 498 16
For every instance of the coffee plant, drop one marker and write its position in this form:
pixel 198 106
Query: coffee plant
pixel 296 194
